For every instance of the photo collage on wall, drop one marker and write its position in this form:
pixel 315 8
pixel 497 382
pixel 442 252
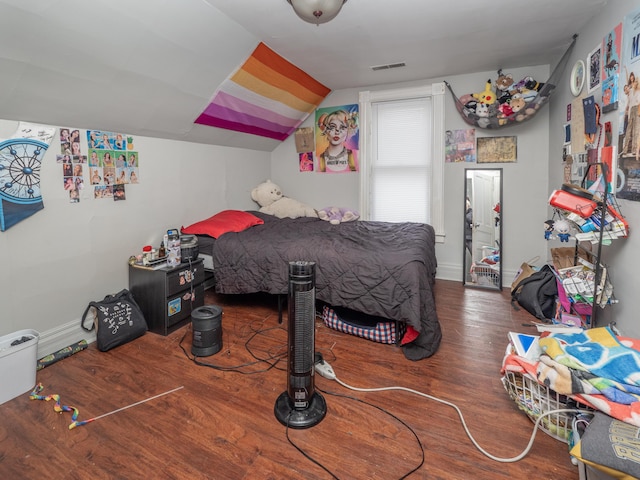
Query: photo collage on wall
pixel 460 146
pixel 73 163
pixel 110 163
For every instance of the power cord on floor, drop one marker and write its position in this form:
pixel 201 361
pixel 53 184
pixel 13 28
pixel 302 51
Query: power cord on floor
pixel 271 361
pixel 325 370
pixel 335 394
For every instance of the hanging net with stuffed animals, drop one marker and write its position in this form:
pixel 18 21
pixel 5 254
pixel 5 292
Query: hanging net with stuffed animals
pixel 506 101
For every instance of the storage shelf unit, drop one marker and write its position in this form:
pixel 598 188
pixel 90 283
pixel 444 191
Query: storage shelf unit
pixel 597 219
pixel 168 295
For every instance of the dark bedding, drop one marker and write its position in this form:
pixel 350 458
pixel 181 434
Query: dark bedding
pixel 377 268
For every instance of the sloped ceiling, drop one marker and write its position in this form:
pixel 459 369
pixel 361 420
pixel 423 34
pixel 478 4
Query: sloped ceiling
pixel 146 67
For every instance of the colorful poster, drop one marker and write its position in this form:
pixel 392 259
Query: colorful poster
pixel 628 171
pixel 306 161
pixel 460 145
pixel 610 94
pixel 20 162
pixel 611 51
pixel 337 139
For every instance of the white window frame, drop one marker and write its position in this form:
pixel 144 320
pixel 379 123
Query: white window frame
pixel 437 93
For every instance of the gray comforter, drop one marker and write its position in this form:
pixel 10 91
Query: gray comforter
pixel 377 268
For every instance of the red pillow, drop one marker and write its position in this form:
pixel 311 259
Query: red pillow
pixel 223 222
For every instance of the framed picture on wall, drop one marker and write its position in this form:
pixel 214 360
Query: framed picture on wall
pixel 593 68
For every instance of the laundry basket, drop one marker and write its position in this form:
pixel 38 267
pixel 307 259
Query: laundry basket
pixel 535 399
pixel 484 274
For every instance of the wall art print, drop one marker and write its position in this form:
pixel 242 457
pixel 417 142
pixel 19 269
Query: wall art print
pixel 337 139
pixel 497 149
pixel 460 146
pixel 628 171
pixel 20 164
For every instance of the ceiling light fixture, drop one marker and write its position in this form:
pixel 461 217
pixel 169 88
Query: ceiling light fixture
pixel 317 11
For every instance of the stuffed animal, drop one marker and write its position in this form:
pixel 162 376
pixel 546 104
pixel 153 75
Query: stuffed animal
pixel 505 109
pixel 517 103
pixel 503 85
pixel 563 227
pixel 336 215
pixel 487 96
pixel 482 110
pixel 533 84
pixel 269 196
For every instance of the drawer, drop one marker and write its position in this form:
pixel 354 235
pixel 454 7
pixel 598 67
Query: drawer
pixel 179 306
pixel 182 277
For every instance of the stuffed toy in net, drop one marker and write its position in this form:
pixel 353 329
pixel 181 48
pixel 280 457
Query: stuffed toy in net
pixel 504 101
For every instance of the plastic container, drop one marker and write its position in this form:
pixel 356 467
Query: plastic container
pixel 572 203
pixel 18 364
pixel 173 248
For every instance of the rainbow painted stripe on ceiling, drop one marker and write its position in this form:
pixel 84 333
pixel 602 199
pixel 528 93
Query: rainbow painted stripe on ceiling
pixel 266 96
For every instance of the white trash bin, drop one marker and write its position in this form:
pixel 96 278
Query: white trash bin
pixel 18 364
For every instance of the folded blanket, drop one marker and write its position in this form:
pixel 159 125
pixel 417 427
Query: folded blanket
pixel 597 351
pixel 597 362
pixel 575 382
pixel 568 381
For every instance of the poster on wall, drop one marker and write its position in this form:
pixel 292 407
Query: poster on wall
pixel 497 149
pixel 611 52
pixel 628 171
pixel 305 160
pixel 593 68
pixel 337 139
pixel 20 163
pixel 610 94
pixel 460 146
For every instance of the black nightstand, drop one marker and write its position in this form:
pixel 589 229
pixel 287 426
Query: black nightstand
pixel 168 295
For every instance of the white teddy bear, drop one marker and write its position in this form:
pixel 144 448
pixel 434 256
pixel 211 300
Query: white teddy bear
pixel 269 196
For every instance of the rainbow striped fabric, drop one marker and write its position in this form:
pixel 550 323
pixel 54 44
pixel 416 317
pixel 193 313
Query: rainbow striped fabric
pixel 266 96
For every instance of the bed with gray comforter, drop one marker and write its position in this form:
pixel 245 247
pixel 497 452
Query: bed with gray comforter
pixel 377 268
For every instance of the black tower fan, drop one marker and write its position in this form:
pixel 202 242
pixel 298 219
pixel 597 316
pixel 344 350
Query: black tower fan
pixel 300 406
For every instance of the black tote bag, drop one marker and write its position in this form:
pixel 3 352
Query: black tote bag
pixel 118 320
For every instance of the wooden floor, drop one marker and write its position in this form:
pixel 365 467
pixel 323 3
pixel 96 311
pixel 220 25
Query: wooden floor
pixel 221 424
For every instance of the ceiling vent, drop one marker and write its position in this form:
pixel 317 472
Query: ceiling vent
pixel 388 66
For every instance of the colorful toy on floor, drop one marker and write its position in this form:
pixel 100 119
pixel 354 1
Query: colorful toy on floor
pixel 58 407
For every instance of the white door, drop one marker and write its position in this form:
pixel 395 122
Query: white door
pixel 484 232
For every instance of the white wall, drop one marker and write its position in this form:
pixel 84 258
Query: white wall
pixel 622 257
pixel 56 261
pixel 523 181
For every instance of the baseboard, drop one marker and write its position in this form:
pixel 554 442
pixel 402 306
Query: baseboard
pixel 62 336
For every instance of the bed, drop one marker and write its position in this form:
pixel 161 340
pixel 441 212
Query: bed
pixel 377 268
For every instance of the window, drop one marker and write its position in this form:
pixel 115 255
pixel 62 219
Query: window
pixel 402 156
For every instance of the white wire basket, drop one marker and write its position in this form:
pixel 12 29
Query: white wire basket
pixel 486 275
pixel 535 399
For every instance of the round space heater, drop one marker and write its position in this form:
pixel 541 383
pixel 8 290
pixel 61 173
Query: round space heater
pixel 300 406
pixel 207 330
